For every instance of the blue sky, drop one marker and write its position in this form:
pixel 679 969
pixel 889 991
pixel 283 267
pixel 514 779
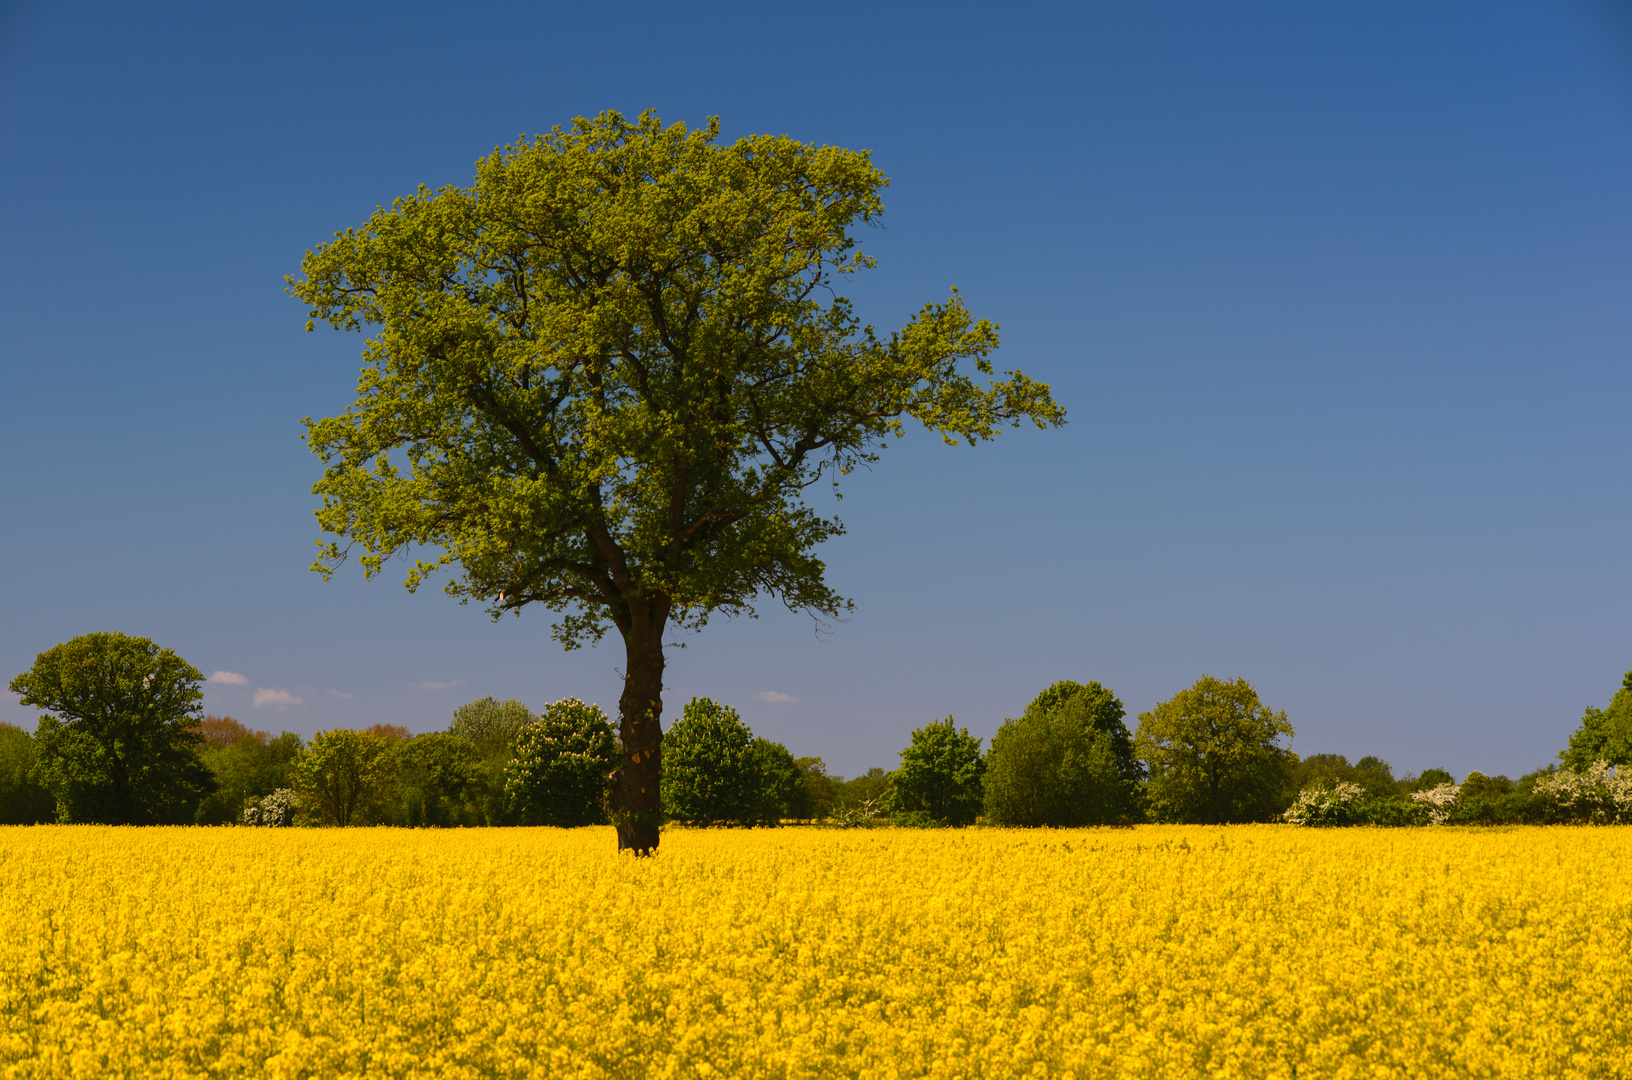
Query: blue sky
pixel 1337 296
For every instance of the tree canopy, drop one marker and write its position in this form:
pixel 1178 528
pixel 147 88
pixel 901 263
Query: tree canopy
pixel 491 724
pixel 338 775
pixel 559 773
pixel 712 773
pixel 941 775
pixel 1066 761
pixel 602 378
pixel 121 745
pixel 1215 754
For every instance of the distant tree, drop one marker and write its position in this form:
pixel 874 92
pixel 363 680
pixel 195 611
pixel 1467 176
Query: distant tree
pixel 225 731
pixel 1053 767
pixel 247 765
pixel 1604 734
pixel 1427 780
pixel 1320 771
pixel 817 791
pixel 781 782
pixel 1375 775
pixel 491 724
pixel 1067 760
pixel 121 747
pixel 1372 774
pixel 338 777
pixel 1101 710
pixel 1496 800
pixel 562 766
pixel 606 376
pixel 23 799
pixel 433 778
pixel 871 787
pixel 1214 753
pixel 940 775
pixel 710 775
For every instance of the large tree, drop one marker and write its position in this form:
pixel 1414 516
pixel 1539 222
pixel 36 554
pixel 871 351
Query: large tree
pixel 121 744
pixel 1215 755
pixel 601 379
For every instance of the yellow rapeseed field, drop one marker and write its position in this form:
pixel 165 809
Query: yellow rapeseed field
pixel 1151 952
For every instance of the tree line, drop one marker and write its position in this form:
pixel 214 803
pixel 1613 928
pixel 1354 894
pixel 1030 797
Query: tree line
pixel 121 742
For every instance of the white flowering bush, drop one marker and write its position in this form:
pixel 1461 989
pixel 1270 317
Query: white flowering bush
pixel 275 811
pixel 1600 794
pixel 560 773
pixel 1439 801
pixel 1326 807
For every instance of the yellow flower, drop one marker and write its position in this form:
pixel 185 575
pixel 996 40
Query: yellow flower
pixel 1261 951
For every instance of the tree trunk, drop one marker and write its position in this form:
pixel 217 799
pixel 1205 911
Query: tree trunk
pixel 634 804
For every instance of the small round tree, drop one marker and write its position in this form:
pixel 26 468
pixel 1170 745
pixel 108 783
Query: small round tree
pixel 711 775
pixel 562 766
pixel 940 775
pixel 1215 755
pixel 490 723
pixel 1050 768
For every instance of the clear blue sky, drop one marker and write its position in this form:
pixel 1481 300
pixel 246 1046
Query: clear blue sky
pixel 1337 296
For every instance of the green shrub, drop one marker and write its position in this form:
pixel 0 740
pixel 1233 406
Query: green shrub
pixel 941 775
pixel 562 766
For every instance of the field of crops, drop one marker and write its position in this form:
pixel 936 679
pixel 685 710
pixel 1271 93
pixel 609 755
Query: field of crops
pixel 1151 952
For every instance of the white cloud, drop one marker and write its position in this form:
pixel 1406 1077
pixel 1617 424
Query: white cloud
pixel 431 684
pixel 339 695
pixel 231 678
pixel 277 698
pixel 774 698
